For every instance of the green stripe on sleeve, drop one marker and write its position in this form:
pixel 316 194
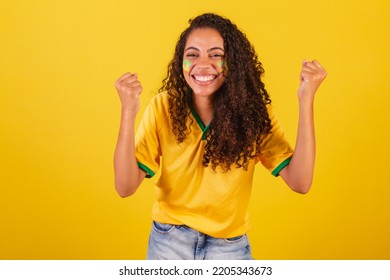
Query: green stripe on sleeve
pixel 149 172
pixel 280 167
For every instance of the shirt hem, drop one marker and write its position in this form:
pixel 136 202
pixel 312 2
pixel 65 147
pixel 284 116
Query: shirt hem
pixel 280 167
pixel 149 172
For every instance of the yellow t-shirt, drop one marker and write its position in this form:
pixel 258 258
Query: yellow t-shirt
pixel 187 193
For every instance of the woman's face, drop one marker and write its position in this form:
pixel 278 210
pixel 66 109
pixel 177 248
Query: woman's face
pixel 203 61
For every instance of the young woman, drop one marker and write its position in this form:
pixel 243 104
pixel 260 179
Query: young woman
pixel 204 132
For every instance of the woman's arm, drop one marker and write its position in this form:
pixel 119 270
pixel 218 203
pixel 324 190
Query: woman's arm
pixel 299 173
pixel 128 176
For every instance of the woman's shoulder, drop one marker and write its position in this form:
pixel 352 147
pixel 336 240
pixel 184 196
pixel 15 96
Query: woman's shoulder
pixel 160 99
pixel 159 105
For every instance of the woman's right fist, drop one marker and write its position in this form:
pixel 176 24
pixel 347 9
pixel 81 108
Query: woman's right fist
pixel 129 89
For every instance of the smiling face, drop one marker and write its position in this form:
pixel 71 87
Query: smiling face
pixel 203 61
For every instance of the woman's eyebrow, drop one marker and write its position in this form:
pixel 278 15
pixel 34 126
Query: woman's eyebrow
pixel 216 48
pixel 191 48
pixel 210 50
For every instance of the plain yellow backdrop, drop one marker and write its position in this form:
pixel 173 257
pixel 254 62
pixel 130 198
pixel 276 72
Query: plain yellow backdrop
pixel 59 119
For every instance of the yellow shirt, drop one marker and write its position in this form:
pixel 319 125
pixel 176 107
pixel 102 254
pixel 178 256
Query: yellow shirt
pixel 214 203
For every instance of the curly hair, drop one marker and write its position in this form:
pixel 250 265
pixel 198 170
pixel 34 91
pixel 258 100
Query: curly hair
pixel 240 116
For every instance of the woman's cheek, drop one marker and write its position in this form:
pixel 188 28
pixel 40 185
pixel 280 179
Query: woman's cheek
pixel 221 66
pixel 187 65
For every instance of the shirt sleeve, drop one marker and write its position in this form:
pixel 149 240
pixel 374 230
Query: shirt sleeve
pixel 275 152
pixel 147 145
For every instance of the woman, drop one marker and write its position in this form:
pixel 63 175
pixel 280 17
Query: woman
pixel 205 131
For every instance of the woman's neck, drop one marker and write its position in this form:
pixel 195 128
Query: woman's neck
pixel 204 108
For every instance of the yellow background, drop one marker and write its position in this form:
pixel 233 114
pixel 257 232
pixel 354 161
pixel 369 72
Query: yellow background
pixel 59 119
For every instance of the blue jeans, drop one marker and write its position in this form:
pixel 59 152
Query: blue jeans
pixel 172 242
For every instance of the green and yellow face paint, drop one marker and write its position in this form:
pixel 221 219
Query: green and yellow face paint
pixel 187 65
pixel 221 66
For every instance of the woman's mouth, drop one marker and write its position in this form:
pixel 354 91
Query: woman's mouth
pixel 204 79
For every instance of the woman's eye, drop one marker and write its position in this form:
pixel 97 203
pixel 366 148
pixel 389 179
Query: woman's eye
pixel 216 55
pixel 191 55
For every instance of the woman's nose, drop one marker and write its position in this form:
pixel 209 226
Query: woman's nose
pixel 204 62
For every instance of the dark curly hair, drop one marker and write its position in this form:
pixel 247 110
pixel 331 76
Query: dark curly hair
pixel 240 118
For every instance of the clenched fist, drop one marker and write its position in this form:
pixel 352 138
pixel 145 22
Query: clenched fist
pixel 129 89
pixel 311 76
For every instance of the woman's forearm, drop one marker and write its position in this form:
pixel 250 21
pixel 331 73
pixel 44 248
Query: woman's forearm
pixel 127 173
pixel 299 173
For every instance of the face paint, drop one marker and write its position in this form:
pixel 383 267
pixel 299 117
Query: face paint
pixel 186 65
pixel 221 66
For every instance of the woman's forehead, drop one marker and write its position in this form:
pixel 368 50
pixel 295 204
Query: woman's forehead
pixel 204 38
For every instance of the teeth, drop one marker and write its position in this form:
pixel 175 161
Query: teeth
pixel 204 78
